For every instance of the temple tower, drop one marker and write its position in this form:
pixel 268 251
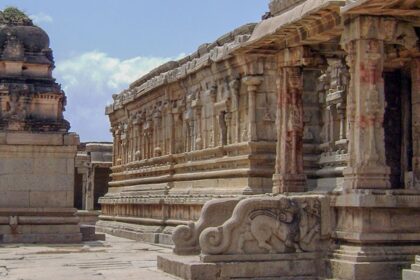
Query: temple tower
pixel 37 152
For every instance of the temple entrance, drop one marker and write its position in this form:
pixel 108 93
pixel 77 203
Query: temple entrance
pixel 397 126
pixel 78 190
pixel 101 185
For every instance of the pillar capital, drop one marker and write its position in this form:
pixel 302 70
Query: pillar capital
pixel 387 29
pixel 253 82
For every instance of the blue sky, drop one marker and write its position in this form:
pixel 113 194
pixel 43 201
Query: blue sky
pixel 100 46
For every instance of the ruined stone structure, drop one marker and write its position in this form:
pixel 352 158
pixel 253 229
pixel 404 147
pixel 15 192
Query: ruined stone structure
pixel 93 162
pixel 319 99
pixel 92 170
pixel 36 150
pixel 189 131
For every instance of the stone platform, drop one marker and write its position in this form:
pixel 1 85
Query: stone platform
pixel 116 258
pixel 276 266
pixel 36 175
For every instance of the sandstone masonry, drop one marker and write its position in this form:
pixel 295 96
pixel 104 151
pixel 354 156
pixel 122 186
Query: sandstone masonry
pixel 37 153
pixel 303 126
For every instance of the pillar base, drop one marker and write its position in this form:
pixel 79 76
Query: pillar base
pixel 367 177
pixel 289 183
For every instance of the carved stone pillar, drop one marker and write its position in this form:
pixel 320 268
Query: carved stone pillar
pixel 157 150
pixel 89 190
pixel 234 88
pixel 415 101
pixel 367 167
pixel 115 142
pixel 253 83
pixel 289 176
pixel 167 124
pixel 212 92
pixel 196 105
pixel 174 125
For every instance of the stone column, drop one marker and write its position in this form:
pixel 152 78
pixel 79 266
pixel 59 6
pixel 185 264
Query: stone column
pixel 289 176
pixel 212 92
pixel 367 167
pixel 114 146
pixel 90 186
pixel 415 101
pixel 198 130
pixel 252 82
pixel 157 150
pixel 234 88
pixel 174 124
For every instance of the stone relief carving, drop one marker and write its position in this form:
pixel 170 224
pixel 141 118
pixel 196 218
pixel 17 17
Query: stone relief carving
pixel 271 225
pixel 213 213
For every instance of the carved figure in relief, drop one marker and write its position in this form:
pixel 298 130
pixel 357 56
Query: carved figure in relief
pixel 295 225
pixel 264 224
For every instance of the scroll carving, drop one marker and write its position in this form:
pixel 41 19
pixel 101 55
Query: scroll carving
pixel 268 225
pixel 214 213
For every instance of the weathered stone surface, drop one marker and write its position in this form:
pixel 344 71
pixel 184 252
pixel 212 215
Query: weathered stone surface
pixel 115 258
pixel 270 225
pixel 335 83
pixel 92 168
pixel 214 213
pixel 36 150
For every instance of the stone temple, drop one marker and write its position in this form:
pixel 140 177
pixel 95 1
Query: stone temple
pixel 37 153
pixel 286 149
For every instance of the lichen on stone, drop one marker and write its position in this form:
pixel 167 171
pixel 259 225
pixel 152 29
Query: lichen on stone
pixel 14 16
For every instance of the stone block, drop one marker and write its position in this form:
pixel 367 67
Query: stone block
pixel 187 267
pixel 51 166
pixel 410 275
pixel 50 198
pixel 45 238
pixel 10 166
pixel 53 229
pixel 14 198
pixel 71 139
pixel 26 138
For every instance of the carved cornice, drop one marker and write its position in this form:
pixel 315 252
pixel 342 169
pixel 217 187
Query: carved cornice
pixel 387 29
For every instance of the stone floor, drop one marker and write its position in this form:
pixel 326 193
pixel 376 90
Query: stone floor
pixel 115 258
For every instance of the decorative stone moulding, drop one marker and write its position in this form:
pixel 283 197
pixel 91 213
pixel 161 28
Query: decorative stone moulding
pixel 214 213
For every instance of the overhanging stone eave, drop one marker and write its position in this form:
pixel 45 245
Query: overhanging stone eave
pixel 282 30
pixel 404 9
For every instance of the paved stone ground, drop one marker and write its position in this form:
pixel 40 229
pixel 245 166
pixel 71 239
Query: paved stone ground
pixel 116 258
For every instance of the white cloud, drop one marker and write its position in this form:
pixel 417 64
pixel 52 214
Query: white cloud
pixel 89 81
pixel 41 18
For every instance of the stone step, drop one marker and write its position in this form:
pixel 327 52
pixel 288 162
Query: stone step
pixel 416 267
pixel 410 275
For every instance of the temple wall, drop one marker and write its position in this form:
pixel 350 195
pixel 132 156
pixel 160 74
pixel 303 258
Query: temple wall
pixel 338 76
pixel 185 126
